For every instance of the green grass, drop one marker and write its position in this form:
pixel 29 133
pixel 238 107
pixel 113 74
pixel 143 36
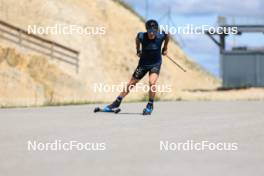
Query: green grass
pixel 75 103
pixel 67 103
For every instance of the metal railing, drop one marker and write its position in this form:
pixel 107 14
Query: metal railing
pixel 222 20
pixel 39 44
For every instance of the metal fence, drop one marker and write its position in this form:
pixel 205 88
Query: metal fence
pixel 39 44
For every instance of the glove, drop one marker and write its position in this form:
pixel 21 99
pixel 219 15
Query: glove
pixel 139 52
pixel 164 51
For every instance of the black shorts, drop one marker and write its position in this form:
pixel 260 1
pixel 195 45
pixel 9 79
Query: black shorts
pixel 141 71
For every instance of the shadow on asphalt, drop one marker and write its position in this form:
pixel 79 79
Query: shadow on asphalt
pixel 129 113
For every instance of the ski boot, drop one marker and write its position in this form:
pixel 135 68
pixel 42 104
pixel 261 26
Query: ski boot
pixel 148 110
pixel 114 107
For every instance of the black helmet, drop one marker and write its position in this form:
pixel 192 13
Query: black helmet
pixel 152 25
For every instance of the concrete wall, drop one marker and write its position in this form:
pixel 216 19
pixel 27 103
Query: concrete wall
pixel 242 68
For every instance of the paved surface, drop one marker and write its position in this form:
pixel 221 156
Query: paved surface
pixel 133 142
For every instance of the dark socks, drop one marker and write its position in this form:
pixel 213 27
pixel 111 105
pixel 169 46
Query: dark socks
pixel 119 98
pixel 151 100
pixel 150 103
pixel 116 103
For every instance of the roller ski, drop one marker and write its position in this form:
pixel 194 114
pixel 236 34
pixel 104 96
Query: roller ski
pixel 112 108
pixel 106 109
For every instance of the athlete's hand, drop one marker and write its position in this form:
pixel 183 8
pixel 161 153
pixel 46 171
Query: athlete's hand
pixel 139 53
pixel 164 51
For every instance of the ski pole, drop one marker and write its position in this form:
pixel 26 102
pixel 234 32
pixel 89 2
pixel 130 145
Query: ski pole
pixel 176 63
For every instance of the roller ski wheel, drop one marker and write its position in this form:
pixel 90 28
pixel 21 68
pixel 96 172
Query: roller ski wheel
pixel 107 110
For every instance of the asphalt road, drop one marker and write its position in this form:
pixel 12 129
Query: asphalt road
pixel 128 144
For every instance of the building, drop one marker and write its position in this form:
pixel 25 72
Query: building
pixel 240 66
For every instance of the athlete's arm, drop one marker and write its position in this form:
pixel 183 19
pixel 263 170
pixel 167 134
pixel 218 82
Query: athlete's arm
pixel 138 46
pixel 165 46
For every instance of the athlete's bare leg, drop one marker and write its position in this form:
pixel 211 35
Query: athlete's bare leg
pixel 132 83
pixel 153 78
pixel 124 93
